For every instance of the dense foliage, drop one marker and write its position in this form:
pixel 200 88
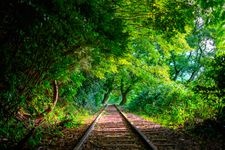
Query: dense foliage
pixel 62 59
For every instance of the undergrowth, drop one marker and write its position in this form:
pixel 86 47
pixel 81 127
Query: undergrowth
pixel 173 106
pixel 68 116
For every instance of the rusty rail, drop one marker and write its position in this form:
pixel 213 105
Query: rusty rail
pixel 146 141
pixel 88 131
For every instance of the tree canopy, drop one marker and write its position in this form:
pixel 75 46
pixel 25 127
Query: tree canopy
pixel 162 58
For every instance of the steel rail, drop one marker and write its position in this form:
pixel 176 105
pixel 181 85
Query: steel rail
pixel 146 141
pixel 149 145
pixel 88 131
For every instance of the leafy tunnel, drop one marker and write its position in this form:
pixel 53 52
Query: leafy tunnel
pixel 62 60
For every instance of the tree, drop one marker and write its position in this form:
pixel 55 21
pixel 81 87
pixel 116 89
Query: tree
pixel 153 52
pixel 127 82
pixel 108 89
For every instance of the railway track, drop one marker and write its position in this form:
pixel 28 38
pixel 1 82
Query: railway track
pixel 162 138
pixel 112 130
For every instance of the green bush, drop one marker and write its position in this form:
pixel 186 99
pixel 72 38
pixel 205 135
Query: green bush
pixel 171 104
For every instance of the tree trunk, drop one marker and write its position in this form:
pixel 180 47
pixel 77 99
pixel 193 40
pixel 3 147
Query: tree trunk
pixel 109 87
pixel 106 96
pixel 124 98
pixel 39 118
pixel 193 74
pixel 176 70
pixel 176 75
pixel 124 92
